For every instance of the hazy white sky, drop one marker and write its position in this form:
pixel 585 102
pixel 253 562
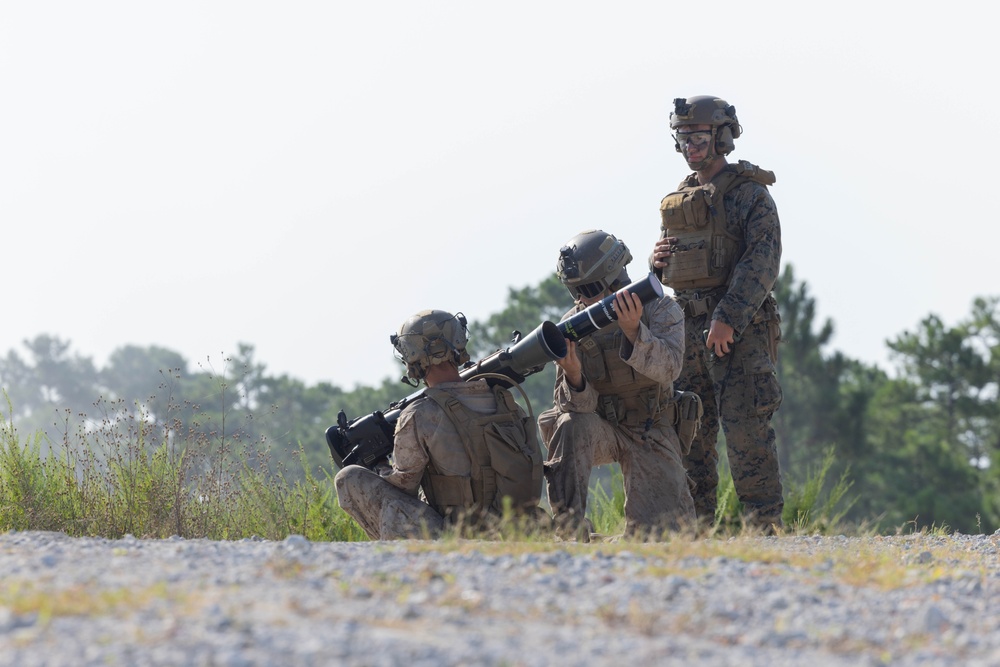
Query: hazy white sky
pixel 302 176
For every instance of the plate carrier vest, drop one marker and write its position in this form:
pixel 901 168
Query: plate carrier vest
pixel 628 397
pixel 624 395
pixel 504 453
pixel 706 250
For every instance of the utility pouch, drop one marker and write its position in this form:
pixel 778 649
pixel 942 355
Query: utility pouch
pixel 606 408
pixel 769 315
pixel 773 338
pixel 689 414
pixel 451 494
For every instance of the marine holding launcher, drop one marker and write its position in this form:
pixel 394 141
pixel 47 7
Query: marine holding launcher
pixel 614 397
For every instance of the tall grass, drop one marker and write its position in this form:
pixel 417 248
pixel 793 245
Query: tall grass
pixel 126 473
pixel 810 506
pixel 606 508
pixel 808 509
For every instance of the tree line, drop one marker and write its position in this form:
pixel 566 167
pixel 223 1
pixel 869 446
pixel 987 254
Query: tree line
pixel 919 446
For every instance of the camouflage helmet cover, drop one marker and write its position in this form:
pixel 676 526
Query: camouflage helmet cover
pixel 592 262
pixel 431 337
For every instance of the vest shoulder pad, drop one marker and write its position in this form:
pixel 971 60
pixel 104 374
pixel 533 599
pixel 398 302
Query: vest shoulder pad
pixel 755 173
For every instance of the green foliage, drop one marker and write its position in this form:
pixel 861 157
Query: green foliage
pixel 917 475
pixel 728 508
pixel 919 446
pixel 52 378
pixel 807 510
pixel 820 408
pixel 606 509
pixel 811 507
pixel 128 475
pixel 932 431
pixel 24 492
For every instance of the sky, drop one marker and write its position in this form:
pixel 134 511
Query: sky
pixel 303 176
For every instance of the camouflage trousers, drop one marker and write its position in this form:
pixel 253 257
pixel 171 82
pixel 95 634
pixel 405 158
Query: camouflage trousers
pixel 741 391
pixel 384 511
pixel 657 495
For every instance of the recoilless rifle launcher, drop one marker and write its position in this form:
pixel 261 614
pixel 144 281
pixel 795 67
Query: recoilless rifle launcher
pixel 366 440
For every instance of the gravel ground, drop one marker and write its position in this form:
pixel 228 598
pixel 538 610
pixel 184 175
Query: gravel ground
pixel 768 601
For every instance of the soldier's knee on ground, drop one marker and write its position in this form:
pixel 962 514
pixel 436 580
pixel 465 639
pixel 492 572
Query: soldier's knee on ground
pixel 347 483
pixel 401 519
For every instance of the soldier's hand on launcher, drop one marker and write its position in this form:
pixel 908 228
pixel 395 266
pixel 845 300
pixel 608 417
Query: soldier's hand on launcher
pixel 382 467
pixel 571 366
pixel 629 310
pixel 662 251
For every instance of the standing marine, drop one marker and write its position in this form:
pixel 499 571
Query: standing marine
pixel 719 251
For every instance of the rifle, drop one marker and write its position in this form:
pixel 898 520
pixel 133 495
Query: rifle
pixel 368 439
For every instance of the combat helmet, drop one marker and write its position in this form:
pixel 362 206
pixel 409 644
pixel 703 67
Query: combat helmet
pixel 591 262
pixel 708 110
pixel 431 337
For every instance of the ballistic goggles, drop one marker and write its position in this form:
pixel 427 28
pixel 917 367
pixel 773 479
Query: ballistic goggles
pixel 699 139
pixel 590 290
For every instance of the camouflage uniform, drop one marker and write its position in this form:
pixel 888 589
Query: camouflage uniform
pixel 657 494
pixel 389 506
pixel 741 388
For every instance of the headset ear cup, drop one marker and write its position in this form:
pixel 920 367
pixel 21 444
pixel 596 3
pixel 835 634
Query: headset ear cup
pixel 724 143
pixel 438 349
